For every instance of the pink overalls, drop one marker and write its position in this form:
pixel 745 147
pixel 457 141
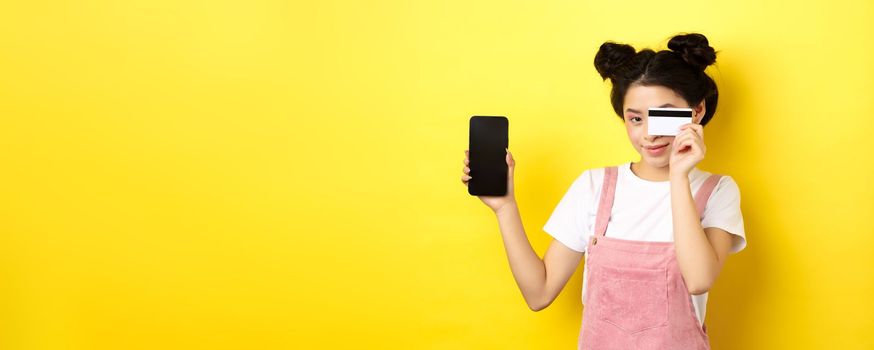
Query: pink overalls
pixel 635 296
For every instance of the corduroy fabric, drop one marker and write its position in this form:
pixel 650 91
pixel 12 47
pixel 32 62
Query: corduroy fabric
pixel 636 297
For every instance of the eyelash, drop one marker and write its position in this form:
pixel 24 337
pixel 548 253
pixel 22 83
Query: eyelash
pixel 632 118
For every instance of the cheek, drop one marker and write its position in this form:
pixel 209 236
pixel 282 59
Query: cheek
pixel 632 135
pixel 636 132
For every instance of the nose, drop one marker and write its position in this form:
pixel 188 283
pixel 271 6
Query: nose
pixel 652 138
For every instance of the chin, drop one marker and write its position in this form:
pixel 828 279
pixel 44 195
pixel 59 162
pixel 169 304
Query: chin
pixel 662 162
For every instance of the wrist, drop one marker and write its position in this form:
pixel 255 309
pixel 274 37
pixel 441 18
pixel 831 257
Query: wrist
pixel 679 178
pixel 506 208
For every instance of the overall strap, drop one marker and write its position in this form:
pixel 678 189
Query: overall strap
pixel 606 203
pixel 704 193
pixel 608 190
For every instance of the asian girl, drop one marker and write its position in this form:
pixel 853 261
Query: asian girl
pixel 654 233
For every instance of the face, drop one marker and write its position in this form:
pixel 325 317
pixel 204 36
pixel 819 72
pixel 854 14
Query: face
pixel 638 99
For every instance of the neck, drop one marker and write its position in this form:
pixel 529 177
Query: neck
pixel 650 173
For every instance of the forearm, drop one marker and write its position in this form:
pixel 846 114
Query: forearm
pixel 528 269
pixel 697 259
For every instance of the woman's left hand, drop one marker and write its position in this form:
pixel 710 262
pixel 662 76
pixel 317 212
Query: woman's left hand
pixel 687 149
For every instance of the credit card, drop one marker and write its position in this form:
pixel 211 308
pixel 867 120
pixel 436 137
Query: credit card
pixel 667 121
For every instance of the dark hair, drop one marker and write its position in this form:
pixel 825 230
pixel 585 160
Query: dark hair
pixel 680 69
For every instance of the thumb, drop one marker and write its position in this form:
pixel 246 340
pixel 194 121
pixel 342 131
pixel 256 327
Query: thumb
pixel 511 163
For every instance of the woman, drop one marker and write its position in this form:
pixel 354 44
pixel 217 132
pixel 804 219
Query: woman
pixel 655 233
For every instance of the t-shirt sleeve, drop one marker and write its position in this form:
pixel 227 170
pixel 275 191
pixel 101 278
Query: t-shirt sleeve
pixel 569 220
pixel 723 211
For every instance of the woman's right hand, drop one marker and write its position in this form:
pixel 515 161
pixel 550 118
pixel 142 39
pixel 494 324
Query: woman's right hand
pixel 493 202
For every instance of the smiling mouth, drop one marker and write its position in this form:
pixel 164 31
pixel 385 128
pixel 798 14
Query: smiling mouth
pixel 655 147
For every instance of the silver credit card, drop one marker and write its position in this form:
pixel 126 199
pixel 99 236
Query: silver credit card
pixel 667 121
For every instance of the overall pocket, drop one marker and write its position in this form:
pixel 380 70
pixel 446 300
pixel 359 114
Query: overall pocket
pixel 632 299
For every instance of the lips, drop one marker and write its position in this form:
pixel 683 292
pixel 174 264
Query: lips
pixel 656 150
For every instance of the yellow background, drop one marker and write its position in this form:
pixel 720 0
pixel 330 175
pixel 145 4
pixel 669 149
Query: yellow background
pixel 269 175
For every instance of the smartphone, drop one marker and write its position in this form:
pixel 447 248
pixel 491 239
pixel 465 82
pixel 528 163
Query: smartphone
pixel 667 121
pixel 488 155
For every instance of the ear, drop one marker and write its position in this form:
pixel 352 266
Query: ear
pixel 698 112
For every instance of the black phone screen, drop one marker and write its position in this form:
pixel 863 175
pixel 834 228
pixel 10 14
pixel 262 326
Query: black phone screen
pixel 488 155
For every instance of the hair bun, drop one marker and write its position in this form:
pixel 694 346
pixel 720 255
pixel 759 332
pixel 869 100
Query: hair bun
pixel 694 48
pixel 611 56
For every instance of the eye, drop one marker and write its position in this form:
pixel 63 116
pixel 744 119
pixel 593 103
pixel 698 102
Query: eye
pixel 632 119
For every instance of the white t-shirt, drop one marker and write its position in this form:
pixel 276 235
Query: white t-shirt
pixel 642 212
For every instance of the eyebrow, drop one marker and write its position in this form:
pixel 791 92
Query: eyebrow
pixel 636 111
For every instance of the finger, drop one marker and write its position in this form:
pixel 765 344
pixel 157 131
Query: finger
pixel 697 140
pixel 699 146
pixel 466 170
pixel 465 178
pixel 691 145
pixel 697 129
pixel 680 138
pixel 466 161
pixel 682 144
pixel 690 134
